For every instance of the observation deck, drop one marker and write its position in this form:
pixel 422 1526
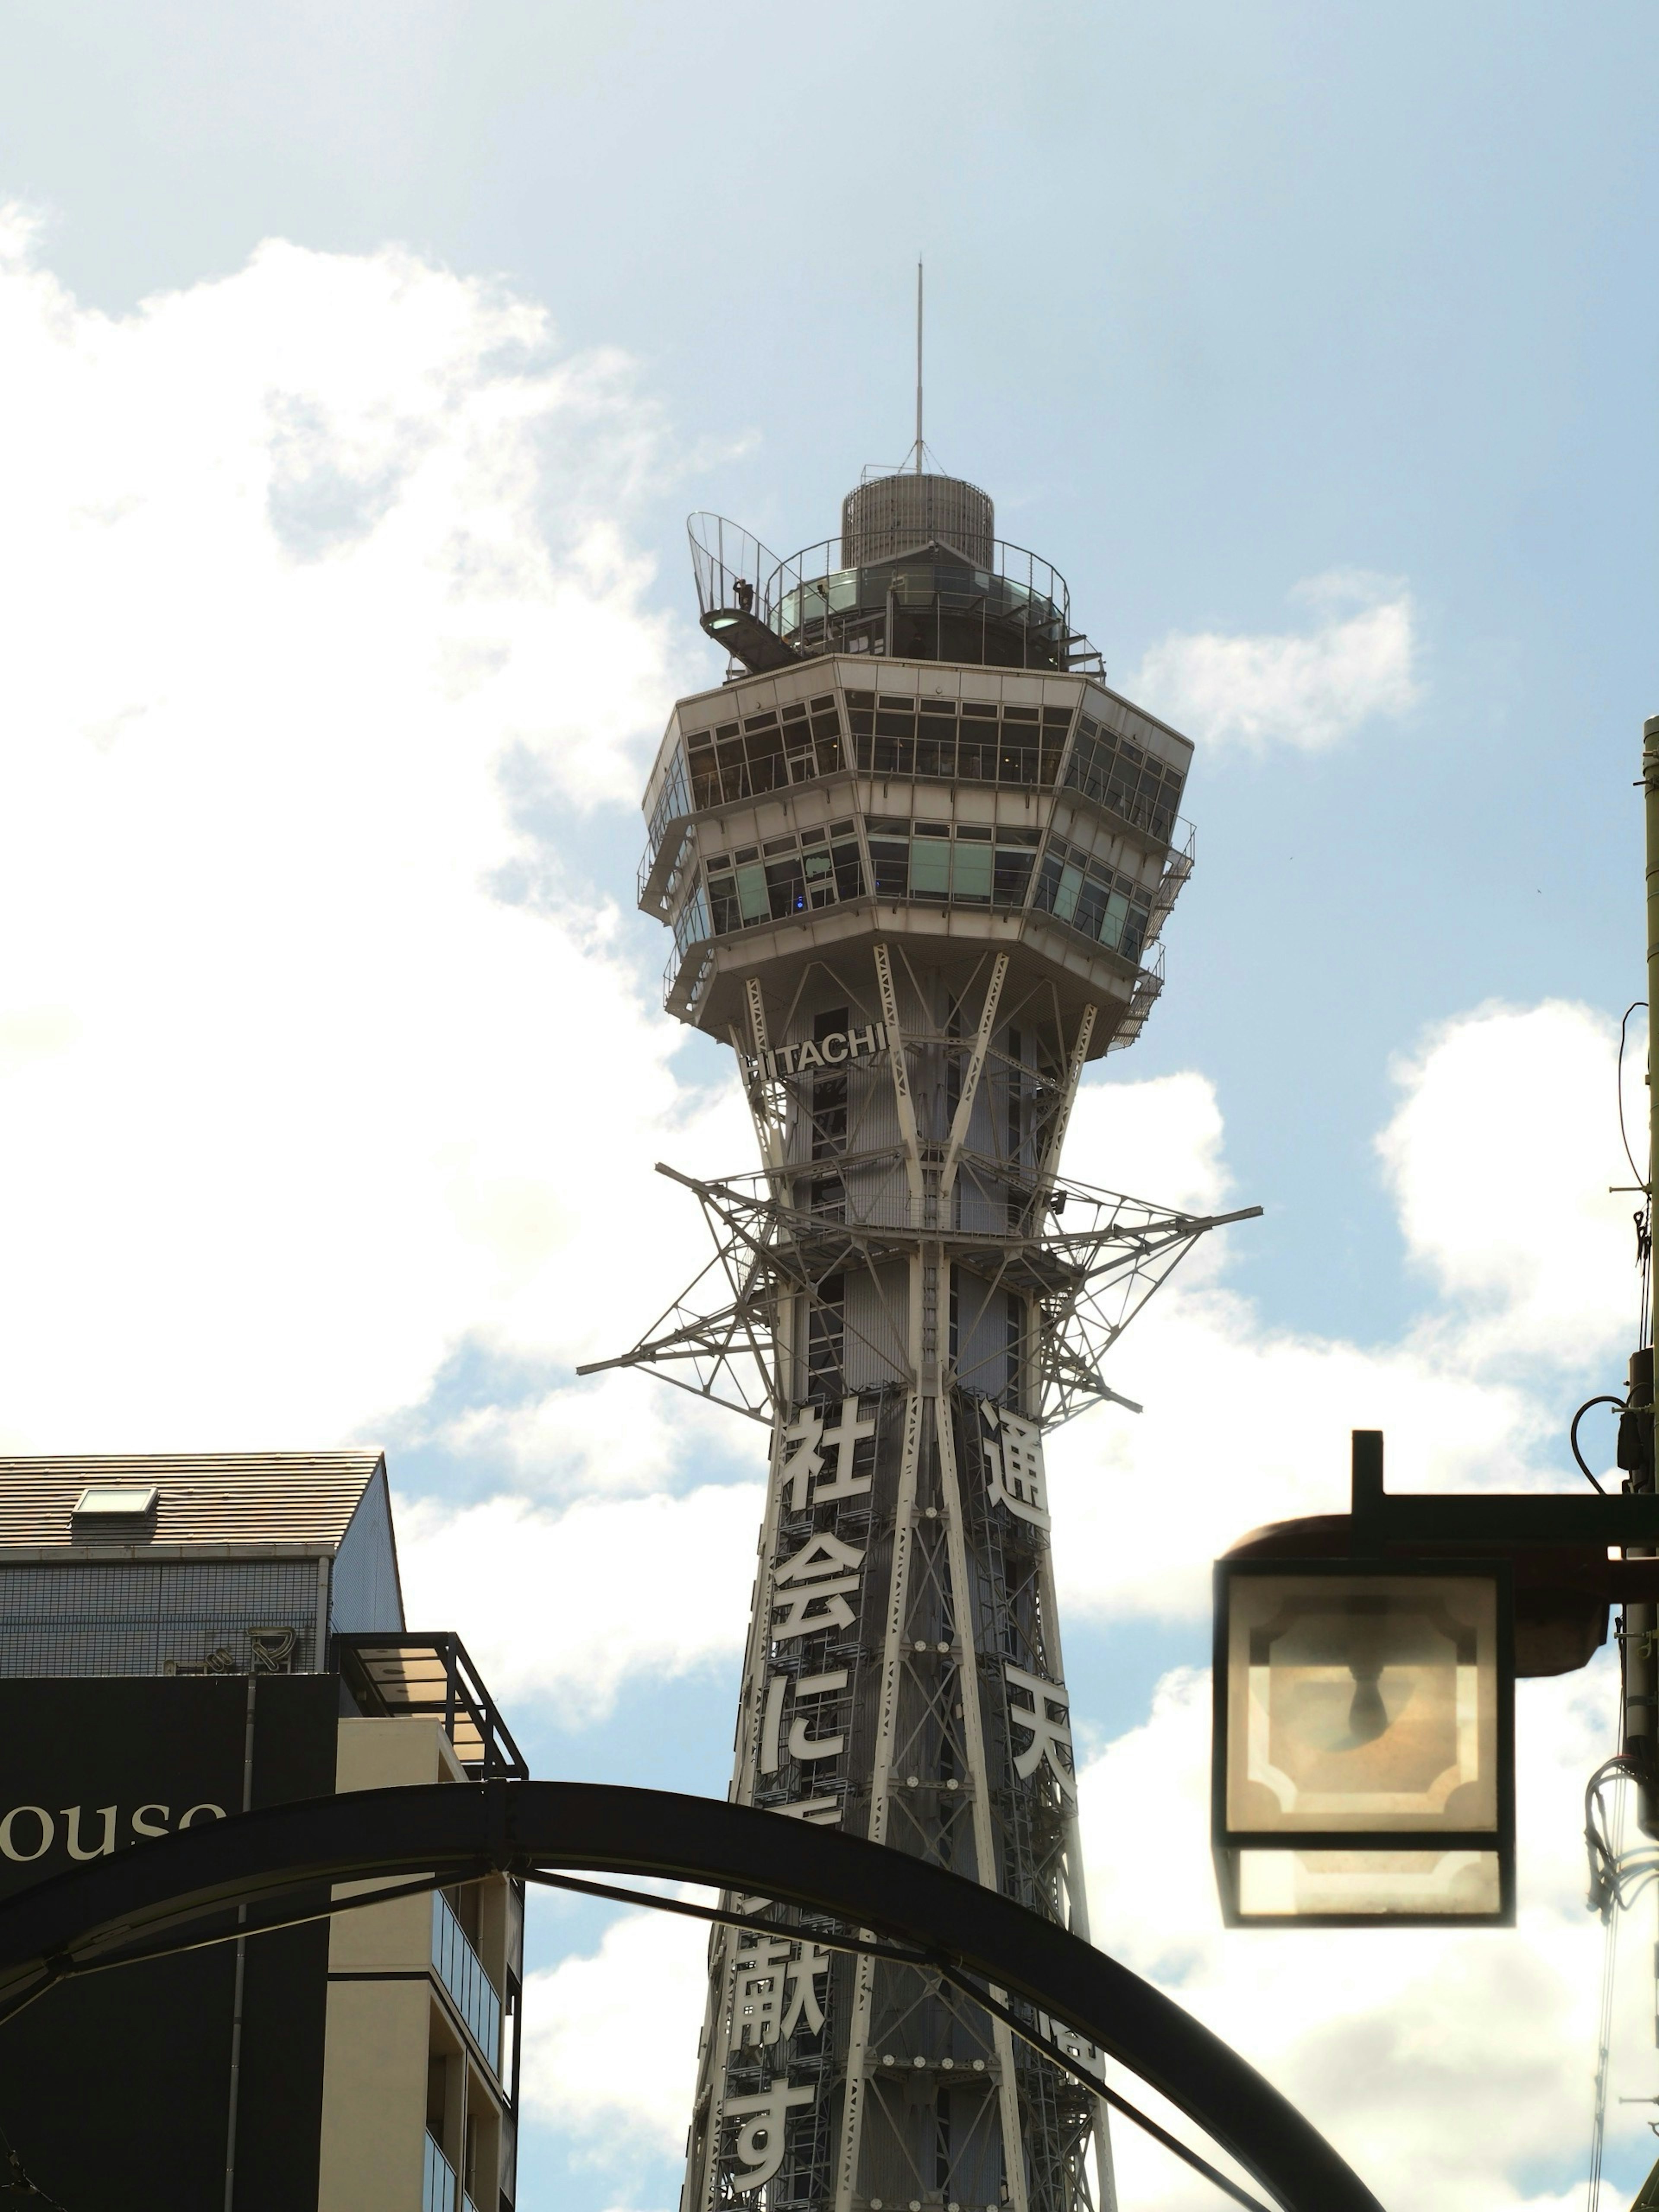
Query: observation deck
pixel 995 605
pixel 844 798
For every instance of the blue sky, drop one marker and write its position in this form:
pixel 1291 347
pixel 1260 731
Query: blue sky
pixel 1224 300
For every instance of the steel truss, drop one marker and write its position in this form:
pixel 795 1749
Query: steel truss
pixel 906 1292
pixel 1088 1284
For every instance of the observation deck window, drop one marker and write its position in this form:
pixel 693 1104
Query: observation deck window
pixel 977 866
pixel 1118 774
pixel 790 875
pixel 1093 899
pixel 765 751
pixel 978 742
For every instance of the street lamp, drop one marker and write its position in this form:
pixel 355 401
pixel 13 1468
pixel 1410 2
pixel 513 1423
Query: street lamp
pixel 1365 1742
pixel 1365 1663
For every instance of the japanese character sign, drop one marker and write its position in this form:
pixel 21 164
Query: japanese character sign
pixel 816 1812
pixel 801 1743
pixel 1013 1461
pixel 776 1989
pixel 1050 1727
pixel 807 1442
pixel 811 1588
pixel 759 2147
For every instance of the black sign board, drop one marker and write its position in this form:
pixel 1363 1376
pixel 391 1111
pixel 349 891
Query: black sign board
pixel 117 2089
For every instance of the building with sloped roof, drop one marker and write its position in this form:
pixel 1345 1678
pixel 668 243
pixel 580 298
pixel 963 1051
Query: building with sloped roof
pixel 187 1636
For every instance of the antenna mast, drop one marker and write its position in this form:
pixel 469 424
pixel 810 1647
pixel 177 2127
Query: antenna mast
pixel 918 368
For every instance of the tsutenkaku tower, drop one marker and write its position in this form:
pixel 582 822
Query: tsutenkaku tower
pixel 914 855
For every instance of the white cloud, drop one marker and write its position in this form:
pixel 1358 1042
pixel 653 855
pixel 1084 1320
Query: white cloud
pixel 619 1433
pixel 1441 2065
pixel 610 2039
pixel 1500 1161
pixel 1498 1157
pixel 563 1606
pixel 1307 690
pixel 301 566
pixel 1444 2067
pixel 306 571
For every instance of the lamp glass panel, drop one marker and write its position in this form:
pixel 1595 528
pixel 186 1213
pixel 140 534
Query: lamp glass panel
pixel 1362 1701
pixel 1324 1885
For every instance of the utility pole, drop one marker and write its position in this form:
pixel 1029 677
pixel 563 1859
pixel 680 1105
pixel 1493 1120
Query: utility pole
pixel 1636 1430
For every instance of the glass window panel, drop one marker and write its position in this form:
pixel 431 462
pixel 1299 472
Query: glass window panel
pixel 891 862
pixel 1362 1701
pixel 752 900
pixel 723 901
pixel 1071 883
pixel 787 888
pixel 1091 909
pixel 849 873
pixel 1013 872
pixel 930 867
pixel 971 876
pixel 117 1498
pixel 1282 1884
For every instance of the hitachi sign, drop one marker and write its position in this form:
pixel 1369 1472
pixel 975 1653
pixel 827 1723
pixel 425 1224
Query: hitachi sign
pixel 832 1051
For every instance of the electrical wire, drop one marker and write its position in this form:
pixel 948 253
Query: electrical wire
pixel 1572 1436
pixel 1641 1179
pixel 18 2182
pixel 1611 1845
pixel 947 1970
pixel 1644 1216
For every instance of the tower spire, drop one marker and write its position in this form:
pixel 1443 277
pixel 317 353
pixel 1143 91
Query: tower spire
pixel 918 368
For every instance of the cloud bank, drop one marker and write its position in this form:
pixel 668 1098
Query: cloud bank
pixel 312 574
pixel 1306 690
pixel 332 660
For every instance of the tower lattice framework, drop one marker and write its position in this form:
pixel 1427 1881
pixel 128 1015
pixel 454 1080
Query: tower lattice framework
pixel 915 855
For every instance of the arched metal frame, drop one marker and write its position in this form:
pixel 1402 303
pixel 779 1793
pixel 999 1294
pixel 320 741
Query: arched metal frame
pixel 175 1893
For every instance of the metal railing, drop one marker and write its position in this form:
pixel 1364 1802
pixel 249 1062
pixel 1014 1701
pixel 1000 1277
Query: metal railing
pixel 731 567
pixel 461 1973
pixel 812 584
pixel 437 2180
pixel 729 563
pixel 399 1675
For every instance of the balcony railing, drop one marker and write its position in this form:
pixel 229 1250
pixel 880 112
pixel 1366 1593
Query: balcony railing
pixel 461 1973
pixel 400 1675
pixel 437 2180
